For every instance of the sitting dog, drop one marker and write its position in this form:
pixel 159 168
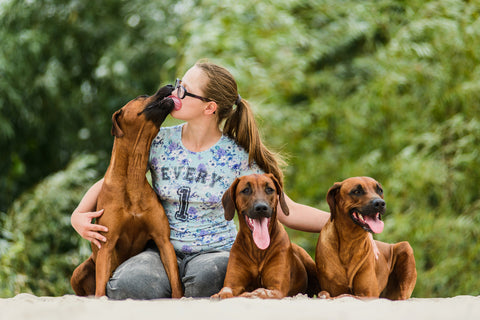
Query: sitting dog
pixel 132 210
pixel 346 264
pixel 263 262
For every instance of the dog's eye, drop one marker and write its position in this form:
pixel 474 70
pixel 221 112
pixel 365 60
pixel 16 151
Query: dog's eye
pixel 358 191
pixel 379 190
pixel 269 190
pixel 246 190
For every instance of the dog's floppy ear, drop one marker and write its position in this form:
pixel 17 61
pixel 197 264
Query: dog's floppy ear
pixel 281 195
pixel 116 130
pixel 228 200
pixel 331 199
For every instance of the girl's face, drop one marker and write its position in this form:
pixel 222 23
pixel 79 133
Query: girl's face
pixel 190 107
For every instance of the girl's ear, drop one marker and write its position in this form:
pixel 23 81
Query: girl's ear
pixel 211 107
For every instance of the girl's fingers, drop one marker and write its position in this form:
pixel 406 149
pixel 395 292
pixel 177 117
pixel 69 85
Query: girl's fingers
pixel 97 243
pixel 95 236
pixel 98 227
pixel 92 231
pixel 95 214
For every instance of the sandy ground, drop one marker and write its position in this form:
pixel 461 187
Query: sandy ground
pixel 29 307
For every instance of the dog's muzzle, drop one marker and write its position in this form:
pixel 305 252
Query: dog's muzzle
pixel 369 217
pixel 258 221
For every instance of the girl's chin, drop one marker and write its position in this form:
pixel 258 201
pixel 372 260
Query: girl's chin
pixel 176 114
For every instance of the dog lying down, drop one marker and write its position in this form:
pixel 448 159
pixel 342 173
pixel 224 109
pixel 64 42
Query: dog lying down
pixel 263 262
pixel 345 259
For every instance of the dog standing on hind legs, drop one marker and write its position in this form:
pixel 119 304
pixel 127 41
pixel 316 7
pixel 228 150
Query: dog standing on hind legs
pixel 346 264
pixel 132 213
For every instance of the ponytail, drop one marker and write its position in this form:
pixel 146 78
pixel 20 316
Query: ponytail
pixel 241 127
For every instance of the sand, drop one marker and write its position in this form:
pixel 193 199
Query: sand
pixel 69 307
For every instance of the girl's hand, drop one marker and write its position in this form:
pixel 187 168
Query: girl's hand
pixel 82 223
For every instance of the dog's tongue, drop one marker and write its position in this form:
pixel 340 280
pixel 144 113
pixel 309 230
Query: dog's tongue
pixel 375 224
pixel 260 233
pixel 177 101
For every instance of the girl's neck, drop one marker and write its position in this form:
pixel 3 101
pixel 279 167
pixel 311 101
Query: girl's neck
pixel 198 137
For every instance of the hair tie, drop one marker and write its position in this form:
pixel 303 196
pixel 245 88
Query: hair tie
pixel 239 99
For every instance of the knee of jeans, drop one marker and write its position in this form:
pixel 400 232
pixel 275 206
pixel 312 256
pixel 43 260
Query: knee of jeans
pixel 205 277
pixel 141 286
pixel 139 278
pixel 116 290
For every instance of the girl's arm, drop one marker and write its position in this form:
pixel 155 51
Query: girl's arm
pixel 302 217
pixel 83 215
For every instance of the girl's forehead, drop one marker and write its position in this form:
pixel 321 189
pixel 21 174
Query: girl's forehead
pixel 194 77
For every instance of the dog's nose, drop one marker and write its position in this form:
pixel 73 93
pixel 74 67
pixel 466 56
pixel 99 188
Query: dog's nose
pixel 261 207
pixel 378 204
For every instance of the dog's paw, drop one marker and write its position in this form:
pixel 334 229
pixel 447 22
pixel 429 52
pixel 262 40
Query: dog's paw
pixel 225 293
pixel 323 295
pixel 263 293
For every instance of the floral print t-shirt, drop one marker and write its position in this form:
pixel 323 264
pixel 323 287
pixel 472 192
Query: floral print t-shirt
pixel 191 185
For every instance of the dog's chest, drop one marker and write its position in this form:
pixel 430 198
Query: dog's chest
pixel 340 261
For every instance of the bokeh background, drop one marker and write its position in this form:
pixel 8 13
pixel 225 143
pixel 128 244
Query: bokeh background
pixel 384 88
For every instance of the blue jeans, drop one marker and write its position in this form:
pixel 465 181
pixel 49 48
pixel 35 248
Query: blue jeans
pixel 143 276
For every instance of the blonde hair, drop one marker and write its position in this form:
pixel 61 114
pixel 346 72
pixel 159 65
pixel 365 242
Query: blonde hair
pixel 240 123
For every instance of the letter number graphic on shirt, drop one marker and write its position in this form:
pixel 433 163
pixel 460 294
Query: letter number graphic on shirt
pixel 184 193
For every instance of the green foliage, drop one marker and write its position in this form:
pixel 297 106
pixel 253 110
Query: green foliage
pixel 39 248
pixel 388 89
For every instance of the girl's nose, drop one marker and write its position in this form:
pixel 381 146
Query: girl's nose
pixel 175 92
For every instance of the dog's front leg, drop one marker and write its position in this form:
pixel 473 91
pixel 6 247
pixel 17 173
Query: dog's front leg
pixel 276 277
pixel 105 264
pixel 237 278
pixel 234 285
pixel 160 233
pixel 365 283
pixel 169 260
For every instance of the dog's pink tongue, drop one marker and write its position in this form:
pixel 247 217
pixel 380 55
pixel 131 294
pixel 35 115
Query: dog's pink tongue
pixel 177 101
pixel 260 233
pixel 375 224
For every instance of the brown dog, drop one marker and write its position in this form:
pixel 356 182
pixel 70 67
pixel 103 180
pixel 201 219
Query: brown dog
pixel 263 262
pixel 132 211
pixel 346 263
